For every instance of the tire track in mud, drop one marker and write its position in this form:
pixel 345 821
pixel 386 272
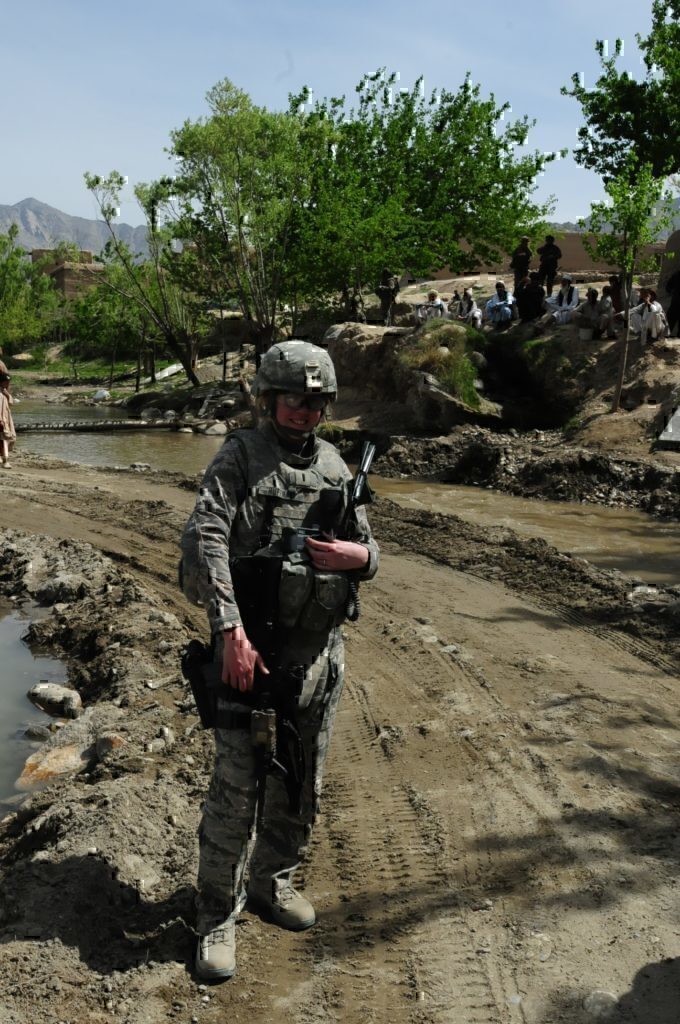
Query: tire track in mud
pixel 401 926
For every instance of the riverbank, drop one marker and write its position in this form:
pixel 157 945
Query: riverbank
pixel 498 834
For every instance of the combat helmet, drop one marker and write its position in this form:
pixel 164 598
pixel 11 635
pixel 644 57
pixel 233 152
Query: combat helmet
pixel 298 367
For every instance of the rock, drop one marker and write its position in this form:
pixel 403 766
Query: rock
pixel 164 646
pixel 170 414
pixel 139 871
pixel 63 587
pixel 140 467
pixel 167 618
pixel 108 742
pixel 37 732
pixel 56 699
pixel 102 395
pixel 151 413
pixel 478 360
pixel 215 429
pixel 600 1005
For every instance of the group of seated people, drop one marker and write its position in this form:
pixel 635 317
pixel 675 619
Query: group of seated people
pixel 598 312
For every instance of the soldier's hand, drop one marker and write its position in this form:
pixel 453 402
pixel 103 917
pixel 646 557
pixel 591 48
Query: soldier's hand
pixel 336 555
pixel 240 660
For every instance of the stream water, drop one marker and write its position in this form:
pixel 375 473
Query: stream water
pixel 620 539
pixel 611 538
pixel 20 671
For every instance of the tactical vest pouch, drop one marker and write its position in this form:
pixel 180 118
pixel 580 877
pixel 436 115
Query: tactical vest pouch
pixel 310 600
pixel 327 603
pixel 295 588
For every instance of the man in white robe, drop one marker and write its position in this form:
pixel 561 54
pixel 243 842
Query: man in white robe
pixel 561 306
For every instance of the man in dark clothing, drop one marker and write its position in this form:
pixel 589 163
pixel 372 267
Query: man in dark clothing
pixel 530 297
pixel 550 256
pixel 521 258
pixel 387 292
pixel 673 315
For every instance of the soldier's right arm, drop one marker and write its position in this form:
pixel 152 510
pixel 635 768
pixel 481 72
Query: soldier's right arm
pixel 206 577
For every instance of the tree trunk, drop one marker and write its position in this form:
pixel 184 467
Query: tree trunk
pixel 623 361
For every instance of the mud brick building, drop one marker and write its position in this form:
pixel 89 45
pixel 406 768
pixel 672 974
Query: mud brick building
pixel 71 277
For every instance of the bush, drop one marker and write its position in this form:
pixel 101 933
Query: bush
pixel 440 348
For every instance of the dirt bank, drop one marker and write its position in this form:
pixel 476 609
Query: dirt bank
pixel 498 840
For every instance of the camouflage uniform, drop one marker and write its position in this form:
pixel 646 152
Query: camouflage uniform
pixel 253 489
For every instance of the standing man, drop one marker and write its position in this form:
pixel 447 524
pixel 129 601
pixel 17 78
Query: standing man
pixel 549 258
pixel 521 258
pixel 387 291
pixel 261 552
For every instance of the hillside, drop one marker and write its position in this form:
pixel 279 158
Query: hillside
pixel 42 227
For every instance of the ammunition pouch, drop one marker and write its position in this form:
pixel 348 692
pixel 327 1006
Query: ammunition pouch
pixel 311 600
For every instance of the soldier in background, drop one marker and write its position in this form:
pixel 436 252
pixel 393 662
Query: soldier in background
pixel 549 258
pixel 521 258
pixel 263 483
pixel 387 291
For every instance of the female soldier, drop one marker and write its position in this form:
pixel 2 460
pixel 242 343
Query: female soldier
pixel 260 553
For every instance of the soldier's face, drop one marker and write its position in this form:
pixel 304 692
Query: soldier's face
pixel 302 420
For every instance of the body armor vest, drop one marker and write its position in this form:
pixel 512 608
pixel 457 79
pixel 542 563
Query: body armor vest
pixel 283 503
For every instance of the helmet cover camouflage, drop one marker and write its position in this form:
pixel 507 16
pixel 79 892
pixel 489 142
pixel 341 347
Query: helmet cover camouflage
pixel 298 367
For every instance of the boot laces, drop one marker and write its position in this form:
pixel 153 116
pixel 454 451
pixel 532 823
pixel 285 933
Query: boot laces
pixel 220 933
pixel 287 895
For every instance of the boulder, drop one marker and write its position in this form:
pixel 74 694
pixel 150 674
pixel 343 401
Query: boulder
pixel 151 413
pixel 102 395
pixel 71 749
pixel 62 587
pixel 56 700
pixel 361 352
pixel 431 406
pixel 215 429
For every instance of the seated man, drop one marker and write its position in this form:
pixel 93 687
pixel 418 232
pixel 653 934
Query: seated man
pixel 530 297
pixel 587 313
pixel 432 309
pixel 466 310
pixel 607 313
pixel 561 306
pixel 648 318
pixel 499 307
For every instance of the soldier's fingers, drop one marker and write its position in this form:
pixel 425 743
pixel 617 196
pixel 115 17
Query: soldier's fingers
pixel 261 665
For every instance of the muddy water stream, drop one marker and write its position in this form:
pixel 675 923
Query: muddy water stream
pixel 20 671
pixel 162 449
pixel 609 537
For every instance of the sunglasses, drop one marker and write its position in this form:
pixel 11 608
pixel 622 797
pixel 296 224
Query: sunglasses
pixel 315 403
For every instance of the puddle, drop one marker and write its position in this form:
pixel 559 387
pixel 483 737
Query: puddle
pixel 20 671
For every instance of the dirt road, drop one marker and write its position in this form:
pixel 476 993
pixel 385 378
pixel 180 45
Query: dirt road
pixel 499 835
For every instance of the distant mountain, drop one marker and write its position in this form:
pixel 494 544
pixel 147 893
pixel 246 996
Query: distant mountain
pixel 569 226
pixel 42 227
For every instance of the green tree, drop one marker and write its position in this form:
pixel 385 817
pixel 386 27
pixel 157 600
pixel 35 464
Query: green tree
pixel 243 173
pixel 415 181
pixel 29 304
pixel 287 208
pixel 623 115
pixel 637 210
pixel 156 287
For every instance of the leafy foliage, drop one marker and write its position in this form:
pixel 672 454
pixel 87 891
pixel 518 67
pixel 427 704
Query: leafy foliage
pixel 440 348
pixel 155 289
pixel 285 209
pixel 623 115
pixel 29 304
pixel 638 208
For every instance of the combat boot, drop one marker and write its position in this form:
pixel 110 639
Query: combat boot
pixel 216 953
pixel 286 907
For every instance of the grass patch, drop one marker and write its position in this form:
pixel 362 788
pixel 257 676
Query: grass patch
pixel 441 348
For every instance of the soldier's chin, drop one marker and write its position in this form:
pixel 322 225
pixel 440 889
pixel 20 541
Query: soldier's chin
pixel 291 434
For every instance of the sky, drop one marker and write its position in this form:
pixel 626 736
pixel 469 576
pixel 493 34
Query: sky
pixel 91 86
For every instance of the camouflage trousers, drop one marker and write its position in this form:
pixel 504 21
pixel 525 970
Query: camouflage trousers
pixel 230 846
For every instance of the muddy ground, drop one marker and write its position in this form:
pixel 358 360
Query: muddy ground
pixel 499 835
